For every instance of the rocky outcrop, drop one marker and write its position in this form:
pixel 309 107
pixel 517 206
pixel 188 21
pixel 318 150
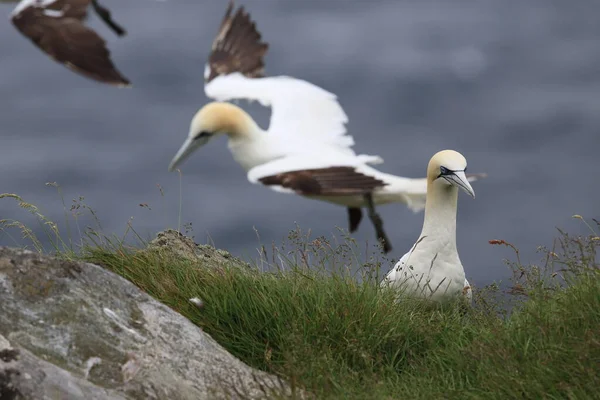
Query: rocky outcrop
pixel 72 330
pixel 184 247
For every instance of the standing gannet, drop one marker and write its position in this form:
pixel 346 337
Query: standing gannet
pixel 56 27
pixel 306 149
pixel 432 268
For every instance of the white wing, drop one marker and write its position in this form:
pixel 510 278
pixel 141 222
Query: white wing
pixel 301 112
pixel 395 273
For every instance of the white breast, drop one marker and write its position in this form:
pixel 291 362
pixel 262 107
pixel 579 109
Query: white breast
pixel 429 270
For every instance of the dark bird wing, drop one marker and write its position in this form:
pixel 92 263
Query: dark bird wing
pixel 58 30
pixel 237 47
pixel 70 8
pixel 332 181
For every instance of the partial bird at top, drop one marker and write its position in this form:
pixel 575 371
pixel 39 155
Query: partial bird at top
pixel 306 149
pixel 432 268
pixel 56 27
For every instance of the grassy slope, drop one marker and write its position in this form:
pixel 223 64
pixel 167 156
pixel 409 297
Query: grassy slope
pixel 341 339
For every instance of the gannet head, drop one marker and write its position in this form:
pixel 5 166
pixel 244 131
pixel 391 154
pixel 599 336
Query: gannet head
pixel 448 167
pixel 212 120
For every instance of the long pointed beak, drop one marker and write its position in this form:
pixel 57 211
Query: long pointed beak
pixel 458 178
pixel 184 152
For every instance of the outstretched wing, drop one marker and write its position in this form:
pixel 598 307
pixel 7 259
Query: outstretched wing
pixel 302 113
pixel 237 47
pixel 67 8
pixel 57 28
pixel 340 176
pixel 333 181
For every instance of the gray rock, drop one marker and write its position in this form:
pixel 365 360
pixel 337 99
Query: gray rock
pixel 184 247
pixel 73 330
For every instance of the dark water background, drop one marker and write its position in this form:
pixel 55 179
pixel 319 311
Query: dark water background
pixel 514 85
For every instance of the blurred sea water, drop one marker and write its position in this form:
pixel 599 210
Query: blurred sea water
pixel 512 85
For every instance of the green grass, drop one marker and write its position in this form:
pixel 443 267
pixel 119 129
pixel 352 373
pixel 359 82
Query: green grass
pixel 310 320
pixel 338 338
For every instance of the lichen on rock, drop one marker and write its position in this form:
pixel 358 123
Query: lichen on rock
pixel 75 330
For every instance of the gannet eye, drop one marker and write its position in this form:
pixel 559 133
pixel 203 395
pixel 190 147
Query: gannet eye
pixel 444 171
pixel 203 134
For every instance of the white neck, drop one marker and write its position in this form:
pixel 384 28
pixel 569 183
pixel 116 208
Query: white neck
pixel 252 147
pixel 440 212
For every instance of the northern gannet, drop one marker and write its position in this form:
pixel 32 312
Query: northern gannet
pixel 306 149
pixel 432 268
pixel 56 27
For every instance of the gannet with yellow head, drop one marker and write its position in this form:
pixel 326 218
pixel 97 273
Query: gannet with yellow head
pixel 306 150
pixel 432 268
pixel 247 141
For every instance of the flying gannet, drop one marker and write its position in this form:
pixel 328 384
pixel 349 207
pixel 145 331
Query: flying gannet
pixel 432 268
pixel 56 27
pixel 306 149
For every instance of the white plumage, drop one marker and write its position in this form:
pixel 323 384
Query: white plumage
pixel 302 113
pixel 306 149
pixel 23 4
pixel 432 268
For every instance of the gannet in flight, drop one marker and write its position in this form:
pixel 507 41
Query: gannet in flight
pixel 306 149
pixel 432 268
pixel 56 27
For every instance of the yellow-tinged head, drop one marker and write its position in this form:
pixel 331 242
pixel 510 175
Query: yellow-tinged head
pixel 212 120
pixel 217 117
pixel 448 167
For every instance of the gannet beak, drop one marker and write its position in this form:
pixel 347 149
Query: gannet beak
pixel 188 147
pixel 458 178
